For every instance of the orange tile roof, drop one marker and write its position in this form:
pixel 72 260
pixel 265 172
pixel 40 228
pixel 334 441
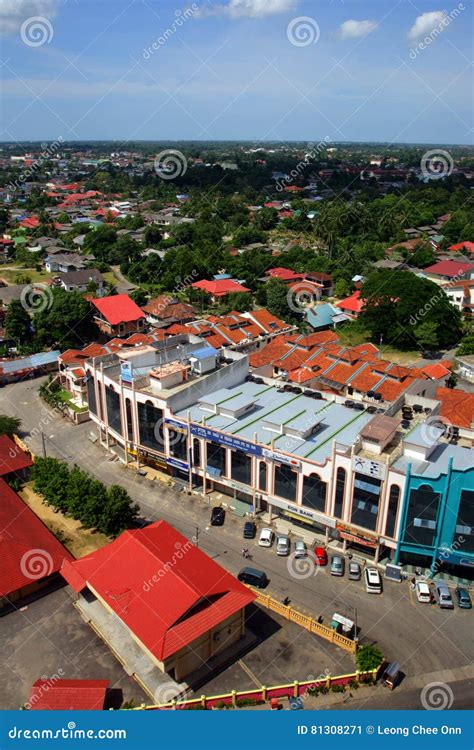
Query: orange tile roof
pixel 457 406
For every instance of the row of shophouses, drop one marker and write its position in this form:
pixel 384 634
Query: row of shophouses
pixel 354 476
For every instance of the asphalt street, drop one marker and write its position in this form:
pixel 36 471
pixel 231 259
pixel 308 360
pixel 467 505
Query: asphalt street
pixel 421 637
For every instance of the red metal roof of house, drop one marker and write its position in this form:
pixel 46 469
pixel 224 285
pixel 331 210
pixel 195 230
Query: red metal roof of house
pixel 352 303
pixel 219 287
pixel 29 552
pixel 449 268
pixel 68 695
pixel 469 246
pixel 457 406
pixel 12 458
pixel 118 308
pixel 166 591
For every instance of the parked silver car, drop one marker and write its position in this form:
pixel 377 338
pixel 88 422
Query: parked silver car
pixel 282 545
pixel 300 549
pixel 338 565
pixel 354 571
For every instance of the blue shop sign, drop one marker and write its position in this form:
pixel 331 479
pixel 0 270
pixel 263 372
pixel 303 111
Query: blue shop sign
pixel 177 464
pixel 229 441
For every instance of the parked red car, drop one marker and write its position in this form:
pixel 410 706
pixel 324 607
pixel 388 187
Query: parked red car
pixel 320 556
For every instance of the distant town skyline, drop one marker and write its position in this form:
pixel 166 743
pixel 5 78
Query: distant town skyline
pixel 236 70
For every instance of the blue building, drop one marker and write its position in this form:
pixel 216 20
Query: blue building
pixel 437 525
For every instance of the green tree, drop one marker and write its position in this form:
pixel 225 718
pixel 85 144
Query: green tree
pixel 277 294
pixel 68 322
pixel 368 657
pixel 9 425
pixel 466 346
pixel 341 288
pixel 426 335
pixel 118 512
pixel 50 477
pixel 17 323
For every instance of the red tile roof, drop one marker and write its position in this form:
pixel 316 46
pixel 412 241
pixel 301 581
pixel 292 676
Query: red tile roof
pixel 12 458
pixel 457 406
pixel 118 308
pixel 435 371
pixel 68 695
pixel 166 591
pixel 449 268
pixel 29 552
pixel 219 287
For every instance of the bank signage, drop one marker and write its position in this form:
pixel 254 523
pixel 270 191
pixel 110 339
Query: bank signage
pixel 355 535
pixel 177 426
pixel 299 510
pixel 281 458
pixel 369 467
pixel 126 372
pixel 229 441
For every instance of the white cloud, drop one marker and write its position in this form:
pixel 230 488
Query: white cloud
pixel 14 12
pixel 354 29
pixel 250 8
pixel 425 23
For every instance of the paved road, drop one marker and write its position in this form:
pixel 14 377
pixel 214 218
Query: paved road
pixel 421 637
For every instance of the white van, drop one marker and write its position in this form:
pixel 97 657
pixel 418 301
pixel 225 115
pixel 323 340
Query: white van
pixel 373 581
pixel 266 538
pixel 423 593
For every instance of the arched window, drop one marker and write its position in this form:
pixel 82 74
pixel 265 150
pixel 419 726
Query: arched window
pixel 393 500
pixel 314 492
pixel 340 488
pixel 150 424
pixel 422 516
pixel 128 414
pixel 112 401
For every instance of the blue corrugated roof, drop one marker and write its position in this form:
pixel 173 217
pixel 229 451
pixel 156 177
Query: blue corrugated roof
pixel 203 352
pixel 26 363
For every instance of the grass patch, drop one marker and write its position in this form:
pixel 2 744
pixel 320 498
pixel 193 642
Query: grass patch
pixel 11 275
pixel 77 540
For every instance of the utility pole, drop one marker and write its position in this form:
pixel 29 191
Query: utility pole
pixel 43 443
pixel 197 537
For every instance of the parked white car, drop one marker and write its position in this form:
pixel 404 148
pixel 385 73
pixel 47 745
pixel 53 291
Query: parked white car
pixel 373 581
pixel 266 538
pixel 423 593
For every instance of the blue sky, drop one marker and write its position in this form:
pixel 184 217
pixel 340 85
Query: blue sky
pixel 237 69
